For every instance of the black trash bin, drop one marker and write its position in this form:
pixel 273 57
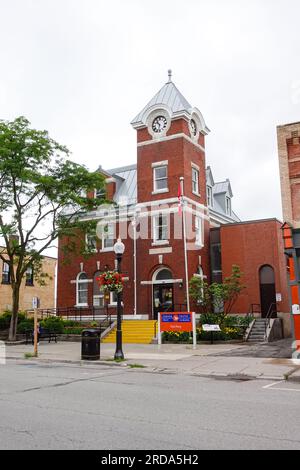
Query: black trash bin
pixel 90 345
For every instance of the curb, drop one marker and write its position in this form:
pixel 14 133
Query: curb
pixel 66 361
pixel 163 371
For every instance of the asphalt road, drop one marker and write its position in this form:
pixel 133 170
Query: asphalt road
pixel 68 407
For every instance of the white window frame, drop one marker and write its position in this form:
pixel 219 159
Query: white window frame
pixel 102 192
pixel 101 301
pixel 89 237
pixel 195 182
pixel 104 237
pixel 6 270
pixel 198 231
pixel 29 271
pixel 113 303
pixel 155 227
pixel 155 179
pixel 228 205
pixel 78 281
pixel 209 196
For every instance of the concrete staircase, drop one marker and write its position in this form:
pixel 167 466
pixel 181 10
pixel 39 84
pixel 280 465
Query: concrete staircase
pixel 257 334
pixel 134 331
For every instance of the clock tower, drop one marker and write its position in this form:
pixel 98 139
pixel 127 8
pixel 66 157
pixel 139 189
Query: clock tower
pixel 171 149
pixel 170 130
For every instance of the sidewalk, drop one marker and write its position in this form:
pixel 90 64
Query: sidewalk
pixel 206 360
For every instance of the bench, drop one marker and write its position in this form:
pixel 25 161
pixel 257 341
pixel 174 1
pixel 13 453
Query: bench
pixel 43 334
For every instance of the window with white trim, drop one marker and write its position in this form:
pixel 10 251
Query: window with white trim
pixel 108 237
pixel 90 242
pixel 5 273
pixel 198 232
pixel 113 300
pixel 82 290
pixel 100 193
pixel 98 295
pixel 160 228
pixel 160 178
pixel 209 196
pixel 195 180
pixel 228 205
pixel 29 276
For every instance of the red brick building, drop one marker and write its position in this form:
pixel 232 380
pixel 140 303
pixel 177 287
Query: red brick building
pixel 170 169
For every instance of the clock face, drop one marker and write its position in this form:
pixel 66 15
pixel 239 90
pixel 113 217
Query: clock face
pixel 193 127
pixel 159 124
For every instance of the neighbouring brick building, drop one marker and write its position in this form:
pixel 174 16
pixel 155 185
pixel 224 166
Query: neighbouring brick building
pixel 30 288
pixel 170 175
pixel 289 165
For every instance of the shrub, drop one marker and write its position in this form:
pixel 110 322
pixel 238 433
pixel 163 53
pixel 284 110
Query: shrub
pixel 5 320
pixel 176 337
pixel 25 325
pixel 73 331
pixel 68 323
pixel 55 324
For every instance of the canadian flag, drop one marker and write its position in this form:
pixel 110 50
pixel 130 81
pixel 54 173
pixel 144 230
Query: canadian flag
pixel 179 199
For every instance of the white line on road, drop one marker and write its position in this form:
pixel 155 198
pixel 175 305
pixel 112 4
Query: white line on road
pixel 274 383
pixel 281 388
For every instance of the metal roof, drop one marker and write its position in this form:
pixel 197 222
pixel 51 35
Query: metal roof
pixel 126 190
pixel 168 95
pixel 222 187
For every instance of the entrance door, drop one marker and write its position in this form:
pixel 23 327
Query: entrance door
pixel 267 290
pixel 162 299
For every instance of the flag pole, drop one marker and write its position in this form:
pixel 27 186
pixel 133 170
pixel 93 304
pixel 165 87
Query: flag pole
pixel 184 244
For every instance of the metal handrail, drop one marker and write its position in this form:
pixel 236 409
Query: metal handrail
pixel 272 309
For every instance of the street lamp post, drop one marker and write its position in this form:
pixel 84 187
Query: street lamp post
pixel 119 249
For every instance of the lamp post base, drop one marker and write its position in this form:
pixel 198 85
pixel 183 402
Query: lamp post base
pixel 119 356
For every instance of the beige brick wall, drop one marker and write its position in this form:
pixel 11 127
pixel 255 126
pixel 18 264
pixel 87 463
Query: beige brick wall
pixel 46 294
pixel 289 185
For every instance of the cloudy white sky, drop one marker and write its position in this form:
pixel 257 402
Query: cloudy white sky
pixel 83 69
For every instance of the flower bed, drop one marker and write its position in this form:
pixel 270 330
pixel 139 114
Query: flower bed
pixel 232 328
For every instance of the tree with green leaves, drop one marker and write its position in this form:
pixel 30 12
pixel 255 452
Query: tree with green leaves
pixel 43 195
pixel 217 297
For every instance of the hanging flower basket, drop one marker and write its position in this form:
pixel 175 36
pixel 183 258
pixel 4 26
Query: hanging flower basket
pixel 111 281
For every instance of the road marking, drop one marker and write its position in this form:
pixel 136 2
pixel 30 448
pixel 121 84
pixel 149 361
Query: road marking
pixel 284 389
pixel 274 383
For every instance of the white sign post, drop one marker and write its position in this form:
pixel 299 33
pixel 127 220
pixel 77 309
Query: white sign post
pixel 158 330
pixel 194 331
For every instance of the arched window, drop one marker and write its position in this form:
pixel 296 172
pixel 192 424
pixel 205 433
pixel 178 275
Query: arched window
pixel 82 290
pixel 163 275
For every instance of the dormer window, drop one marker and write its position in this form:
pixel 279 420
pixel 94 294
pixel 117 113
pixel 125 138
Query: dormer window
pixel 100 193
pixel 209 196
pixel 228 205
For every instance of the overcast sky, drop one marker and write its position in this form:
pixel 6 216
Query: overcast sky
pixel 84 68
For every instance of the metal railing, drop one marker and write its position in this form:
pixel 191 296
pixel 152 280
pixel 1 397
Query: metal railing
pixel 75 313
pixel 272 310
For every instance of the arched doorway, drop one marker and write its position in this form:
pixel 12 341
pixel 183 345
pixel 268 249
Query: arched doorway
pixel 163 294
pixel 267 289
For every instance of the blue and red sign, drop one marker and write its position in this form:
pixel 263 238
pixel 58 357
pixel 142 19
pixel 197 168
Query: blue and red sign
pixel 176 321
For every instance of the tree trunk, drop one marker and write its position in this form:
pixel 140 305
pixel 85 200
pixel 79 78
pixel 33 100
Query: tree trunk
pixel 14 317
